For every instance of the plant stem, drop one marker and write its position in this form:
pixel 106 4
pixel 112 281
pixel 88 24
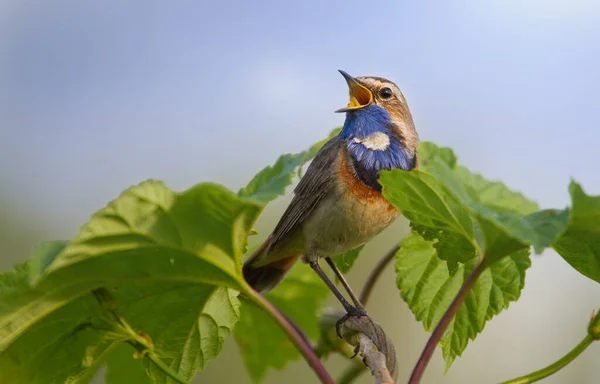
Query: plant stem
pixel 166 369
pixel 556 366
pixel 439 330
pixel 295 337
pixel 139 341
pixel 375 273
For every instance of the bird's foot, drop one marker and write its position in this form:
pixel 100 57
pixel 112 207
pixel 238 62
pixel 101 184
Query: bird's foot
pixel 350 311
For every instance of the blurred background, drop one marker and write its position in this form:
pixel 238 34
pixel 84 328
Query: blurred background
pixel 96 96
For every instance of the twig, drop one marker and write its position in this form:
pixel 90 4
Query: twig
pixel 139 340
pixel 375 273
pixel 375 347
pixel 295 337
pixel 375 360
pixel 354 370
pixel 439 330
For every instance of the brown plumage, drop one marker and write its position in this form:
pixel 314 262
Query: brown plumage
pixel 336 207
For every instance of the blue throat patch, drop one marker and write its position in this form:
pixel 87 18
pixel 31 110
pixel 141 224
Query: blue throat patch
pixel 362 123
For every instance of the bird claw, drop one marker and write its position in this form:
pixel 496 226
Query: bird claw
pixel 352 311
pixel 356 350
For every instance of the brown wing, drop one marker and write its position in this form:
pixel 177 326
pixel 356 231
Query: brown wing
pixel 313 187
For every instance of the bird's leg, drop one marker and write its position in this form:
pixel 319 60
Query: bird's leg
pixel 344 282
pixel 349 308
pixel 317 268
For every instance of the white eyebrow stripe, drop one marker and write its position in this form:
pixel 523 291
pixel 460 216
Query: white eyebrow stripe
pixel 377 141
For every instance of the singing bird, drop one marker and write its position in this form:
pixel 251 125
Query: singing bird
pixel 338 205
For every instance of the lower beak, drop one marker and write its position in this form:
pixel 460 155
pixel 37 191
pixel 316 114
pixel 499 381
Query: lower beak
pixel 360 96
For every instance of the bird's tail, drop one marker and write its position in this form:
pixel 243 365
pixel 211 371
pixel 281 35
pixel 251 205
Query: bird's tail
pixel 263 275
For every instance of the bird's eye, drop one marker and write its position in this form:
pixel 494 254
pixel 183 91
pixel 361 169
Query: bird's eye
pixel 385 93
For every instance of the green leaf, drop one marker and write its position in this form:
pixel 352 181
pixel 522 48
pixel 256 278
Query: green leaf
pixel 495 194
pixel 428 288
pixel 346 260
pixel 467 214
pixel 67 345
pixel 428 151
pixel 171 261
pixel 190 327
pixel 579 245
pixel 442 163
pixel 272 180
pixel 459 217
pixel 44 255
pixel 150 232
pixel 550 223
pixel 122 368
pixel 450 246
pixel 262 343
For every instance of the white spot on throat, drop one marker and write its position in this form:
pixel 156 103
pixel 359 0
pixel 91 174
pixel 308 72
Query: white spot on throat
pixel 377 141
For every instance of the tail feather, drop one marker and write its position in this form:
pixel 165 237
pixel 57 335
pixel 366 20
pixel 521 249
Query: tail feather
pixel 264 276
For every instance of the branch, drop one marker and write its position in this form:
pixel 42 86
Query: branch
pixel 375 273
pixel 375 347
pixel 439 330
pixel 375 360
pixel 593 335
pixel 295 337
pixel 354 370
pixel 138 339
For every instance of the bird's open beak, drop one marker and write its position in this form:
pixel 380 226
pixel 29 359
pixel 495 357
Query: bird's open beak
pixel 360 96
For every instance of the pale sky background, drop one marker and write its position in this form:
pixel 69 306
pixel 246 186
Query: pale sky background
pixel 98 95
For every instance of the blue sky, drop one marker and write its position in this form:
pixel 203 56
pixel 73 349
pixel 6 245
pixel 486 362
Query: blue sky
pixel 96 96
pixel 99 95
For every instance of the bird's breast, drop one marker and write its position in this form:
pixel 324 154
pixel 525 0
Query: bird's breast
pixel 350 215
pixel 351 186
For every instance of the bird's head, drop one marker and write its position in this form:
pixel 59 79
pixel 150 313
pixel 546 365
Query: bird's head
pixel 377 103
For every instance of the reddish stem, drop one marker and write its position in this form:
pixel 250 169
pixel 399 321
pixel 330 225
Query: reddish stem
pixel 439 330
pixel 294 336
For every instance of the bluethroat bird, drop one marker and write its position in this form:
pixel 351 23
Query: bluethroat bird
pixel 337 205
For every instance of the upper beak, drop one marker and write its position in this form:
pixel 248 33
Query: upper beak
pixel 360 96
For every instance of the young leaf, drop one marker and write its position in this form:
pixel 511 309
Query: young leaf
pixel 428 288
pixel 272 180
pixel 262 343
pixel 579 245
